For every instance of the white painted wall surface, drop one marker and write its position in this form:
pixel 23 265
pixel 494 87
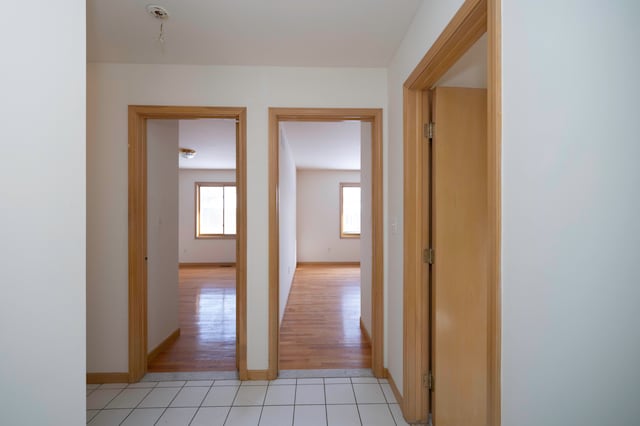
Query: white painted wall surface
pixel 114 86
pixel 470 70
pixel 366 226
pixel 571 203
pixel 162 230
pixel 201 250
pixel 42 214
pixel 319 217
pixel 427 25
pixel 287 221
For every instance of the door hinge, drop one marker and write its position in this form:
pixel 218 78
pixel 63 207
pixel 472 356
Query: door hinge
pixel 428 130
pixel 427 380
pixel 428 256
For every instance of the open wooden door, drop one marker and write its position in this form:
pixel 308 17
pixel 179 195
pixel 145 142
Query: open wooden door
pixel 459 272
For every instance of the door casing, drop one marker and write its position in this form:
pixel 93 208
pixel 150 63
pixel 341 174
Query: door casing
pixel 137 245
pixel 473 19
pixel 276 115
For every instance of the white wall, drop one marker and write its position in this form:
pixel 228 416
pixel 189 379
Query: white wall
pixel 570 209
pixel 366 226
pixel 201 250
pixel 162 230
pixel 112 88
pixel 287 220
pixel 319 217
pixel 42 214
pixel 470 70
pixel 427 25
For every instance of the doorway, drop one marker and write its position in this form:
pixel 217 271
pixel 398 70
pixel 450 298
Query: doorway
pixel 325 245
pixel 139 223
pixel 372 116
pixel 191 265
pixel 473 19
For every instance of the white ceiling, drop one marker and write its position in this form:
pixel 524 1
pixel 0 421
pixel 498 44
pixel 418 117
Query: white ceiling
pixel 340 33
pixel 214 141
pixel 324 145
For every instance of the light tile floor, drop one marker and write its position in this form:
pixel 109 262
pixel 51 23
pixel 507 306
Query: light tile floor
pixel 343 401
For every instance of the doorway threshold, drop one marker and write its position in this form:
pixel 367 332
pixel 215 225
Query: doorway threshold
pixel 348 372
pixel 194 375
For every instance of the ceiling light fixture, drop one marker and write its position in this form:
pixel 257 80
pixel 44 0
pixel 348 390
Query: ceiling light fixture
pixel 160 13
pixel 187 153
pixel 157 11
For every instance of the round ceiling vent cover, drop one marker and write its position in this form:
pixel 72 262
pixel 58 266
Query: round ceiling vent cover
pixel 158 12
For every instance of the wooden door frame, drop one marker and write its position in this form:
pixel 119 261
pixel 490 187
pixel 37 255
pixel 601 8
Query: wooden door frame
pixel 473 19
pixel 277 115
pixel 138 116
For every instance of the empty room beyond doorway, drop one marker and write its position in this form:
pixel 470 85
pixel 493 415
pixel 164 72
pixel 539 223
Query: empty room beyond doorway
pixel 320 328
pixel 207 314
pixel 326 178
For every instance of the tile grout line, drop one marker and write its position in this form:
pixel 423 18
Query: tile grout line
pixel 388 407
pixel 388 403
pixel 105 406
pixel 137 405
pixel 355 399
pixel 226 419
pixel 295 396
pixel 200 405
pixel 264 399
pixel 326 410
pixel 172 399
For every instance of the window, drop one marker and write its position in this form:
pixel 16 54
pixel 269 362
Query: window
pixel 215 210
pixel 349 210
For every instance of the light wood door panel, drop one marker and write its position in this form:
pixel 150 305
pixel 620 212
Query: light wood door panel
pixel 459 235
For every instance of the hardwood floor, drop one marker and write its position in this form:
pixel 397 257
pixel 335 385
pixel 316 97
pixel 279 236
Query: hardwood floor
pixel 207 314
pixel 321 324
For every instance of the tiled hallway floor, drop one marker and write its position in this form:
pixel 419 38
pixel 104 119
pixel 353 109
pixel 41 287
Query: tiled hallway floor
pixel 343 401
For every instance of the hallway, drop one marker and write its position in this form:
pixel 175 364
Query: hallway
pixel 321 324
pixel 207 314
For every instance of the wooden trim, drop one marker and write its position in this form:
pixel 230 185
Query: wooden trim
pixel 337 264
pixel 377 242
pixel 394 387
pixel 100 378
pixel 276 115
pixel 258 375
pixel 464 29
pixel 241 242
pixel 474 18
pixel 274 244
pixel 163 345
pixel 365 332
pixel 207 264
pixel 415 318
pixel 494 187
pixel 137 236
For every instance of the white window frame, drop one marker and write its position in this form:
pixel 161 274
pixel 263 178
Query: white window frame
pixel 199 185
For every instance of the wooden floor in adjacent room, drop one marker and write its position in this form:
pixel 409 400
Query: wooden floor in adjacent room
pixel 321 324
pixel 207 314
